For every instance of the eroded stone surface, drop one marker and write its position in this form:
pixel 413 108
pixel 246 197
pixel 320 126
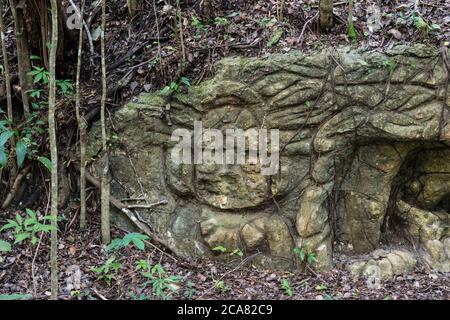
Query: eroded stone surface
pixel 364 145
pixel 384 265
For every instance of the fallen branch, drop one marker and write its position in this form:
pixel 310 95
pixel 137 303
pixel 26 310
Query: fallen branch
pixel 300 38
pixel 146 206
pixel 130 214
pixel 99 294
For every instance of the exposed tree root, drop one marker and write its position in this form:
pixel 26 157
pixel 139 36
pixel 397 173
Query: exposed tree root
pixel 132 216
pixel 12 193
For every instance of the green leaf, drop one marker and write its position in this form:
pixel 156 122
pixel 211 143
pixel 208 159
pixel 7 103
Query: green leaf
pixel 351 33
pixel 2 125
pixel 11 224
pixel 46 162
pixel 220 249
pixel 420 23
pixel 21 151
pixel 36 71
pixel 237 252
pixel 166 91
pixel 3 157
pixel 45 77
pixel 5 246
pixel 31 213
pixel 312 259
pixel 19 219
pixel 185 81
pixel 321 287
pixel 21 236
pixel 38 78
pixel 435 26
pixel 139 244
pixel 302 256
pixel 275 37
pixel 114 245
pixel 136 238
pixel 4 137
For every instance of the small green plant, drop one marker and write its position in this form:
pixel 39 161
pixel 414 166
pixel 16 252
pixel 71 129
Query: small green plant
pixel 39 75
pixel 423 26
pixel 390 65
pixel 25 145
pixel 21 145
pixel 161 283
pixel 351 32
pixel 5 246
pixel 65 86
pixel 275 37
pixel 199 26
pixel 220 21
pixel 305 254
pixel 265 22
pixel 286 287
pixel 108 271
pixel 75 293
pixel 28 227
pixel 142 265
pixel 321 287
pixel 411 18
pixel 137 239
pixel 189 292
pixel 327 296
pixel 220 249
pixel 141 297
pixel 401 19
pixel 236 252
pixel 35 94
pixel 81 294
pixel 175 86
pixel 221 286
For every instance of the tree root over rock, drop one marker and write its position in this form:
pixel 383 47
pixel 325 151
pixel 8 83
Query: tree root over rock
pixel 132 216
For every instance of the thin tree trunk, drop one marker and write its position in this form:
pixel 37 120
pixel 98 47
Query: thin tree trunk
pixel 180 30
pixel 53 151
pixel 132 7
pixel 105 189
pixel 23 53
pixel 13 172
pixel 81 128
pixel 280 13
pixel 325 14
pixel 351 32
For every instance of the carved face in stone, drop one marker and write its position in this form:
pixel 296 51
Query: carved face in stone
pixel 364 146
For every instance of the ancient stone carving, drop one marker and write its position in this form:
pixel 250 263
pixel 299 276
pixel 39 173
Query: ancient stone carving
pixel 364 157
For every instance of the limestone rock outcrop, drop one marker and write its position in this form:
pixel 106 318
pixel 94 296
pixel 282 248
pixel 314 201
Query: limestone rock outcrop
pixel 364 158
pixel 384 264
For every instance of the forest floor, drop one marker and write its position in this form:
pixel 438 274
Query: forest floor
pixel 143 55
pixel 80 251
